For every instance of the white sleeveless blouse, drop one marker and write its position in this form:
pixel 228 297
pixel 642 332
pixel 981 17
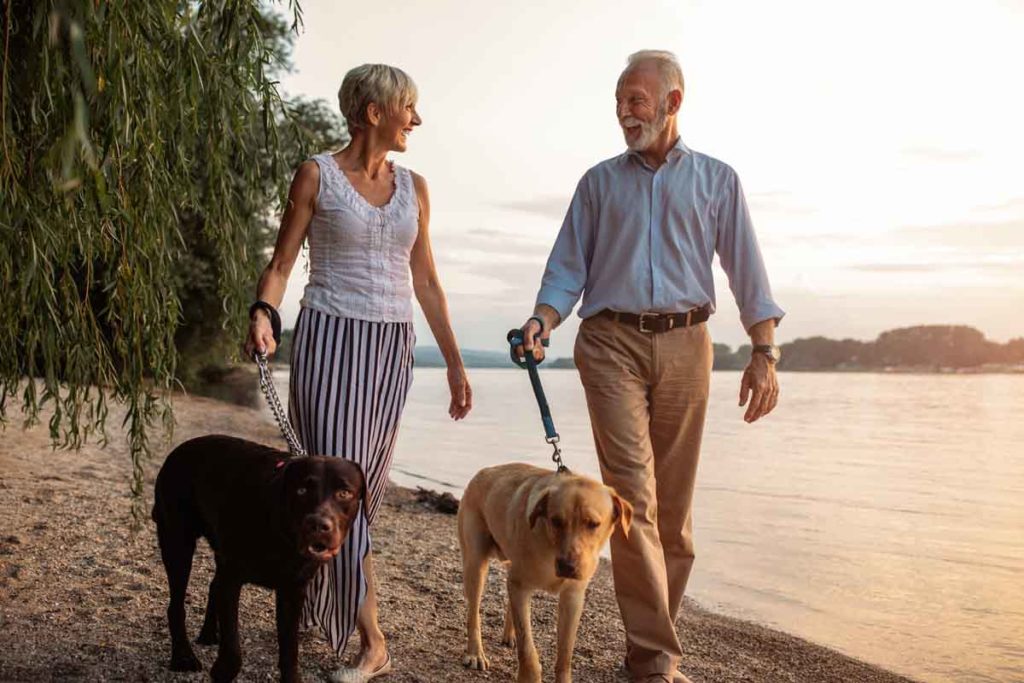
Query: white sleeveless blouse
pixel 358 253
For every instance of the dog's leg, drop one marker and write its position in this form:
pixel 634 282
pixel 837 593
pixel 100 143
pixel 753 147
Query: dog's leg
pixel 289 609
pixel 177 547
pixel 208 633
pixel 508 631
pixel 475 542
pixel 529 662
pixel 229 654
pixel 570 607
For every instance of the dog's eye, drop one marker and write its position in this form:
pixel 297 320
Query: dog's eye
pixel 557 522
pixel 343 495
pixel 300 491
pixel 591 524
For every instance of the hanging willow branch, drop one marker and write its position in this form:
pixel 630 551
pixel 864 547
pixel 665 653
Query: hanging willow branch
pixel 127 128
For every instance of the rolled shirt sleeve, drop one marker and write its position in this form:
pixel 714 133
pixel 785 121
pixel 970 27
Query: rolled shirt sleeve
pixel 741 258
pixel 566 272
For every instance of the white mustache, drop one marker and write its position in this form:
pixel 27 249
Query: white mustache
pixel 629 122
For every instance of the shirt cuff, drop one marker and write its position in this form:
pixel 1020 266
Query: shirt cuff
pixel 760 312
pixel 558 299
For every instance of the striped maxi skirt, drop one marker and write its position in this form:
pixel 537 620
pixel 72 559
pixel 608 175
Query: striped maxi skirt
pixel 349 380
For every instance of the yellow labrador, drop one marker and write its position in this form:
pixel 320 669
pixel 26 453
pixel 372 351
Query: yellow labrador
pixel 548 528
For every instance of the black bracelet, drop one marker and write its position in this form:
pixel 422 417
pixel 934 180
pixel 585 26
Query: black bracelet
pixel 275 318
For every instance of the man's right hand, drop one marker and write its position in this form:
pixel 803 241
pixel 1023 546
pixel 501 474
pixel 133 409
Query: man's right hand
pixel 261 335
pixel 532 334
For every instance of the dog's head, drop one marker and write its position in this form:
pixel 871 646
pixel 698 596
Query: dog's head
pixel 579 516
pixel 322 496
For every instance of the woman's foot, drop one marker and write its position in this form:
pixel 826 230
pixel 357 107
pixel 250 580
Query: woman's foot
pixel 372 659
pixel 372 663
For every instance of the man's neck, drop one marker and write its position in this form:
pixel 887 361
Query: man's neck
pixel 656 154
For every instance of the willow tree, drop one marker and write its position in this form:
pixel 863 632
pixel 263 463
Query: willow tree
pixel 128 130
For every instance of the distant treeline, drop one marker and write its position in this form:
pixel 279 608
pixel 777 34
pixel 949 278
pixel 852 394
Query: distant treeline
pixel 924 348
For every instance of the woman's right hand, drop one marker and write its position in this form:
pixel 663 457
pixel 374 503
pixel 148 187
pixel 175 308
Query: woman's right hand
pixel 261 335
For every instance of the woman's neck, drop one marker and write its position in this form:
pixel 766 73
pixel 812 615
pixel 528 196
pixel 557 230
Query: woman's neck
pixel 364 155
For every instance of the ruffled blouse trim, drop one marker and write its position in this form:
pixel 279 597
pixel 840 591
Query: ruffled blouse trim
pixel 398 205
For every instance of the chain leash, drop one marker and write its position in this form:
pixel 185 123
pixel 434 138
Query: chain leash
pixel 556 457
pixel 270 392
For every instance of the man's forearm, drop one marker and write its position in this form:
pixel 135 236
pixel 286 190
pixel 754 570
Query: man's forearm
pixel 763 332
pixel 549 315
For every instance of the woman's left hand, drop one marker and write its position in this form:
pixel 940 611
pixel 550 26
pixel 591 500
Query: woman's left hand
pixel 462 393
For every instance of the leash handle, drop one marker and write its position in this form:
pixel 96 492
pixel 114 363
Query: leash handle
pixel 515 338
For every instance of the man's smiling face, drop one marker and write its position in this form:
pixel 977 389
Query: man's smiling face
pixel 641 107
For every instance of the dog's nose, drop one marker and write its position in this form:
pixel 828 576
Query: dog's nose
pixel 565 568
pixel 323 525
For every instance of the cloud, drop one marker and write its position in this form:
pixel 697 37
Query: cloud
pixel 551 206
pixel 980 235
pixel 1012 266
pixel 941 155
pixel 490 241
pixel 776 202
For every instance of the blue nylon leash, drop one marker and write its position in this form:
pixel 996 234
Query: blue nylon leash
pixel 515 338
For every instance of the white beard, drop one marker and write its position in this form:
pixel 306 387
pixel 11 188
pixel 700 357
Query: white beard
pixel 649 132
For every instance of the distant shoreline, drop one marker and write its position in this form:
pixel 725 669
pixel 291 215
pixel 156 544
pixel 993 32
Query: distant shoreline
pixel 1012 370
pixel 1001 370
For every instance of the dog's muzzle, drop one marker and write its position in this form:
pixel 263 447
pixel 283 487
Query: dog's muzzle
pixel 566 569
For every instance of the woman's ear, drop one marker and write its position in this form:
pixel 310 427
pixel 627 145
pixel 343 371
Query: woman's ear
pixel 374 114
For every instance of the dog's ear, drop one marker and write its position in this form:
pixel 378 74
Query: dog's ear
pixel 623 514
pixel 540 507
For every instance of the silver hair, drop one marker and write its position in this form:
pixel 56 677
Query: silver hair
pixel 664 61
pixel 387 86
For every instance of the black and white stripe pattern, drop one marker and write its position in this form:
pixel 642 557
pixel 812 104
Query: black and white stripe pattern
pixel 349 380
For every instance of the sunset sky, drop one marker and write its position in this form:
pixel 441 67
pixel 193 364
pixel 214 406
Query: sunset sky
pixel 880 145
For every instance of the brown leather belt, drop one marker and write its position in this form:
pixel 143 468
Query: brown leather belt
pixel 659 322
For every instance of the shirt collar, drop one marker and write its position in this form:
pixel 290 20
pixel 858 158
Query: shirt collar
pixel 677 151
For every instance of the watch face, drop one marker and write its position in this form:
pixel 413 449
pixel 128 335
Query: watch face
pixel 775 353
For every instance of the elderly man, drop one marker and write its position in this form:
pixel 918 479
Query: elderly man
pixel 638 243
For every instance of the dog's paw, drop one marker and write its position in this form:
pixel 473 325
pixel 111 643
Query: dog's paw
pixel 225 669
pixel 475 661
pixel 509 639
pixel 207 638
pixel 185 661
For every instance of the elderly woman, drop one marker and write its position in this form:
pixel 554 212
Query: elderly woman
pixel 367 223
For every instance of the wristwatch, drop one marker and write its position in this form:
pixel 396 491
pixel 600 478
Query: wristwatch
pixel 773 352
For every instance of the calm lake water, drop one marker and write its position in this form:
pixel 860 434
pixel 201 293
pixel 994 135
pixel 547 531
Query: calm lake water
pixel 882 515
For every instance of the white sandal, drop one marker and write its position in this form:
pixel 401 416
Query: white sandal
pixel 356 675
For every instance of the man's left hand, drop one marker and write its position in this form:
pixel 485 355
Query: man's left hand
pixel 761 385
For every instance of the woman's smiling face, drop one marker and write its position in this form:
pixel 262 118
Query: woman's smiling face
pixel 395 127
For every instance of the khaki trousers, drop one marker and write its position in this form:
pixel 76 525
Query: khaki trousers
pixel 647 395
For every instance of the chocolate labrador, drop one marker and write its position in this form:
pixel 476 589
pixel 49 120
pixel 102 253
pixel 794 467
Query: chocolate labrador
pixel 271 520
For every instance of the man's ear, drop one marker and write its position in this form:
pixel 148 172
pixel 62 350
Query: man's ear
pixel 540 507
pixel 623 514
pixel 675 101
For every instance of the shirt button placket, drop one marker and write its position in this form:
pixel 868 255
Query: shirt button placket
pixel 653 233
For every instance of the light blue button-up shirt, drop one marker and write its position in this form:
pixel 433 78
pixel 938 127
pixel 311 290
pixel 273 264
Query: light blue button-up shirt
pixel 638 239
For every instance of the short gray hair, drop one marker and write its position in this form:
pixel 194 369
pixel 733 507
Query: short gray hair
pixel 664 61
pixel 387 86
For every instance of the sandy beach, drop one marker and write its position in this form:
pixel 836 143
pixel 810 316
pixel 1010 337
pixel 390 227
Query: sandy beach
pixel 83 599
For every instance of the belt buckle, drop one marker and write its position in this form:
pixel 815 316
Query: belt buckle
pixel 642 318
